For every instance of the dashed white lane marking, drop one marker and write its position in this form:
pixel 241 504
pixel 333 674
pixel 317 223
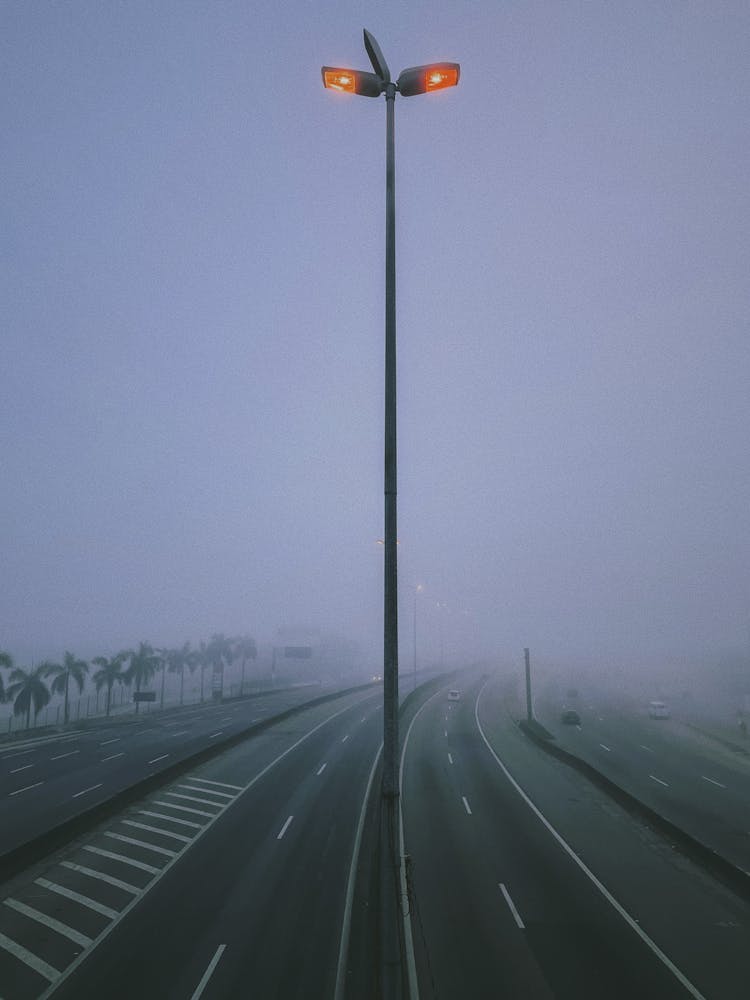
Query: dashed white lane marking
pixel 654 778
pixel 713 782
pixel 77 897
pixel 207 791
pixel 21 753
pixel 284 828
pixel 363 719
pixel 608 749
pixel 222 784
pixel 91 789
pixel 446 732
pixel 450 758
pixel 109 879
pixel 68 754
pixel 55 925
pixel 345 738
pixel 209 972
pixel 157 759
pixel 644 747
pixel 114 856
pixel 181 733
pixel 466 805
pixel 113 756
pixel 511 907
pixel 107 742
pixel 141 843
pixel 321 769
pixel 158 829
pixel 24 768
pixel 27 787
pixel 213 735
pixel 172 819
pixel 28 958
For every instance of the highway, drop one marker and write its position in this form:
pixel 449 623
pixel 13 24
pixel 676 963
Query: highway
pixel 529 882
pixel 45 781
pixel 698 784
pixel 233 876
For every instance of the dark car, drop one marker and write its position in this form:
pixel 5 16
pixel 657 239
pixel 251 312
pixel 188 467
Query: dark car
pixel 570 717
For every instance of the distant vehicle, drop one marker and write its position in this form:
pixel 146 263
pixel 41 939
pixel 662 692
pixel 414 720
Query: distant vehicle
pixel 454 695
pixel 570 717
pixel 377 677
pixel 658 710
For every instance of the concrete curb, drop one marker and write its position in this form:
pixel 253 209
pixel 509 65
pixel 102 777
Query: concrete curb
pixel 735 878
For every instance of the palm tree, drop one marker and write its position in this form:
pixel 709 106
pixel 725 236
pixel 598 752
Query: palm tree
pixel 70 667
pixel 219 652
pixel 201 659
pixel 27 688
pixel 177 660
pixel 143 665
pixel 6 661
pixel 111 671
pixel 245 648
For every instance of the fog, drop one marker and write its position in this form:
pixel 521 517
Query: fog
pixel 192 346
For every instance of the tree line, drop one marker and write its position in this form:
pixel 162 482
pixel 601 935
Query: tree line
pixel 134 668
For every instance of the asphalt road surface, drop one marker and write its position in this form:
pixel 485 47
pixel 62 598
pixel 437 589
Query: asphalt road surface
pixel 528 882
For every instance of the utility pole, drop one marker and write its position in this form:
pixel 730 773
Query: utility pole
pixel 529 713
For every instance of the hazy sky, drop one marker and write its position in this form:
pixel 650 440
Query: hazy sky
pixel 191 296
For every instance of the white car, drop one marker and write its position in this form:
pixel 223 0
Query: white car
pixel 454 695
pixel 658 710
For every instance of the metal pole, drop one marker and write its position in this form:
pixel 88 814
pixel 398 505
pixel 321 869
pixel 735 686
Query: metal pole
pixel 416 591
pixel 390 595
pixel 529 713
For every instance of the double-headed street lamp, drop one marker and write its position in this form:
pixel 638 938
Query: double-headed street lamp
pixel 418 80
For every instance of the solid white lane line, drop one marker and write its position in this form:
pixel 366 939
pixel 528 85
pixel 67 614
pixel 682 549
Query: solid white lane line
pixel 192 798
pixel 55 925
pixel 644 747
pixel 466 804
pixel 633 924
pixel 112 757
pixel 107 742
pixel 158 829
pixel 222 784
pixel 187 809
pixel 450 758
pixel 157 759
pixel 654 778
pixel 321 769
pixel 346 922
pixel 512 907
pixel 141 843
pixel 713 782
pixel 68 754
pixel 109 879
pixel 28 958
pixel 114 856
pixel 608 749
pixel 345 738
pixel 24 768
pixel 26 788
pixel 172 819
pixel 77 897
pixel 284 828
pixel 21 753
pixel 209 972
pixel 208 791
pixel 216 734
pixel 91 789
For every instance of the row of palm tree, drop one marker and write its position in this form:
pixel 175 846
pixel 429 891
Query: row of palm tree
pixel 29 689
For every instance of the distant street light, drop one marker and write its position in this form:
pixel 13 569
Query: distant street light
pixel 417 590
pixel 417 80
